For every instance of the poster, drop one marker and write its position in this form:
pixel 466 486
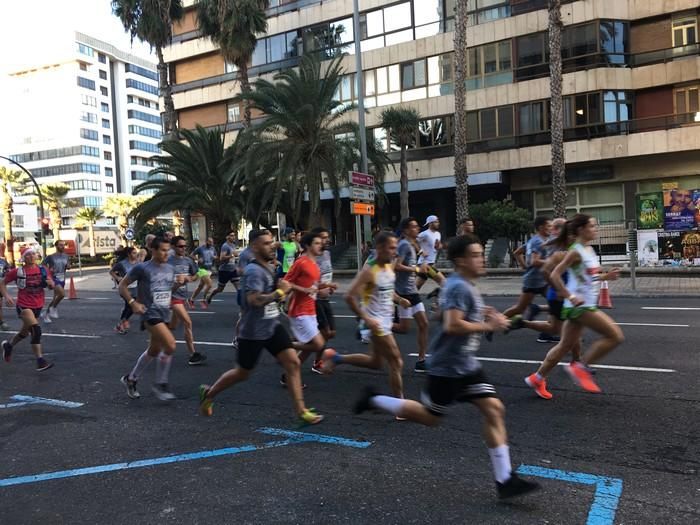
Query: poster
pixel 690 241
pixel 648 245
pixel 679 209
pixel 650 210
pixel 670 246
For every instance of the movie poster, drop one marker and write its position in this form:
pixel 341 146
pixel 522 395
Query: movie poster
pixel 679 209
pixel 648 248
pixel 670 246
pixel 650 215
pixel 690 241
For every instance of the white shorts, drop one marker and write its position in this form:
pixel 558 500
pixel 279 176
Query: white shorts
pixel 385 325
pixel 304 327
pixel 411 311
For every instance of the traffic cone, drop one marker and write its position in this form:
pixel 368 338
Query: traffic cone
pixel 604 300
pixel 71 290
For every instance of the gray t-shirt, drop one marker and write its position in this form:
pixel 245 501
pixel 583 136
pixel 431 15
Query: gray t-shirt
pixel 230 265
pixel 405 281
pixel 122 268
pixel 326 266
pixel 258 323
pixel 207 254
pixel 455 355
pixel 154 289
pixel 58 264
pixel 182 265
pixel 245 258
pixel 534 278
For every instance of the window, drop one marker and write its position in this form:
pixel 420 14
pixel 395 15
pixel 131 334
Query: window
pixel 482 11
pixel 104 91
pixel 385 27
pixel 101 58
pixel 106 139
pixel 140 161
pixel 107 155
pixel 103 74
pixel 91 202
pixel 105 107
pixel 132 68
pixel 532 56
pixel 602 201
pixel 234 113
pixel 533 117
pixel 139 175
pixel 56 153
pixel 490 123
pixel 617 106
pixel 148 132
pixel 85 50
pixel 586 110
pixel 275 48
pixel 427 14
pixel 140 115
pixel 413 75
pixel 685 31
pixel 18 221
pixel 614 42
pixel 130 99
pixel 80 167
pixel 88 100
pixel 687 100
pixel 435 132
pixel 105 123
pixel 109 172
pixel 86 116
pixel 89 134
pixel 142 86
pixel 90 185
pixel 489 65
pixel 83 66
pixel 109 188
pixel 329 38
pixel 145 146
pixel 86 83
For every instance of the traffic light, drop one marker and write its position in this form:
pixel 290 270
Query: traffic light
pixel 45 226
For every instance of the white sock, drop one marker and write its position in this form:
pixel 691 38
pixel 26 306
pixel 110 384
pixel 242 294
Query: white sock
pixel 393 405
pixel 143 361
pixel 500 461
pixel 163 368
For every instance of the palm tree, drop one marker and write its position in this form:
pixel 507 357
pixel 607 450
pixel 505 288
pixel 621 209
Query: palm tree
pixel 151 21
pixel 460 162
pixel 9 180
pixel 88 217
pixel 120 207
pixel 234 25
pixel 402 125
pixel 194 175
pixel 54 199
pixel 556 109
pixel 304 138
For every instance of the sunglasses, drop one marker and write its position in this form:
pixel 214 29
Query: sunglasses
pixel 180 246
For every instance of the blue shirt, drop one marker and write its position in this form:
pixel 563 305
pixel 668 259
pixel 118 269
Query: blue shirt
pixel 207 254
pixel 154 289
pixel 534 278
pixel 258 323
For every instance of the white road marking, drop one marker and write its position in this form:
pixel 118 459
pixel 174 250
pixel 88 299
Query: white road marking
pixel 200 313
pixel 99 298
pixel 668 308
pixel 655 324
pixel 44 334
pixel 207 343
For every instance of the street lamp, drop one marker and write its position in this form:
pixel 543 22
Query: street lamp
pixel 41 198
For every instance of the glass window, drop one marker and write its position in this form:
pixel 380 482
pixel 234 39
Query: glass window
pixel 474 62
pixel 504 55
pixel 473 125
pixel 488 126
pixel 490 60
pixel 531 50
pixel 531 118
pixel 382 80
pixel 600 194
pixel 104 91
pixel 102 58
pixel 399 37
pixel 371 24
pixel 110 188
pixel 505 121
pixel 370 87
pixel 426 11
pixel 103 74
pixel 394 78
pixel 107 155
pixel 83 66
pixel 104 107
pixel 234 112
pixel 687 100
pixel 109 172
pixel 105 123
pixel 579 40
pixel 397 17
pixel 685 31
pixel 276 48
pixel 259 55
pixel 106 139
pixel 425 133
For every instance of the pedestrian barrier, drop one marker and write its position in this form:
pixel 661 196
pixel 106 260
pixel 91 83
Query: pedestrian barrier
pixel 72 294
pixel 604 299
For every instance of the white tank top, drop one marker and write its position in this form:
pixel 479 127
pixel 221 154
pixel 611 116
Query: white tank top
pixel 583 279
pixel 378 297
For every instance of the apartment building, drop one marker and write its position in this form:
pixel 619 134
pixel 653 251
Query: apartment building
pixel 98 124
pixel 631 84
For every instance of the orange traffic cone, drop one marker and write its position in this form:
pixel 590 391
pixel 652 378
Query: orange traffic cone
pixel 71 290
pixel 604 300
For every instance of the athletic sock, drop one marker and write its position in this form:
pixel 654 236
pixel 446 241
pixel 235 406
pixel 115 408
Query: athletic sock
pixel 500 461
pixel 337 359
pixel 141 365
pixel 393 405
pixel 539 376
pixel 163 368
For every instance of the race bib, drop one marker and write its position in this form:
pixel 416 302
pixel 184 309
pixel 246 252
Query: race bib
pixel 272 311
pixel 162 299
pixel 326 278
pixel 290 260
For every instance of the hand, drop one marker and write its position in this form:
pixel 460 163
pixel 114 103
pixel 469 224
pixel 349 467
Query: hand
pixel 404 303
pixel 9 301
pixel 576 300
pixel 489 311
pixel 497 322
pixel 324 293
pixel 423 268
pixel 372 324
pixel 180 279
pixel 283 285
pixel 311 290
pixel 332 286
pixel 138 308
pixel 613 275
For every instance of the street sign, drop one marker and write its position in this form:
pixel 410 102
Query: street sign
pixel 361 194
pixel 129 234
pixel 361 179
pixel 361 208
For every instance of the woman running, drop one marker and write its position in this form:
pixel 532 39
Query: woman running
pixel 580 309
pixel 118 272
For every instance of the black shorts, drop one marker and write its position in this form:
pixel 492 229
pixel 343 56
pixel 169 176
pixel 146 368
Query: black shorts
pixel 555 307
pixel 151 322
pixel 425 276
pixel 226 276
pixel 536 291
pixel 324 315
pixel 440 392
pixel 414 298
pixel 249 349
pixel 35 311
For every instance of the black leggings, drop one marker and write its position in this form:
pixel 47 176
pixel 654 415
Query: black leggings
pixel 126 312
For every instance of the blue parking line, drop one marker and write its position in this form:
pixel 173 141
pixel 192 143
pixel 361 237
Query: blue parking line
pixel 293 438
pixel 22 400
pixel 607 490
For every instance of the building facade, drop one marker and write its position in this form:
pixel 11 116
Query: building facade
pixel 631 82
pixel 102 125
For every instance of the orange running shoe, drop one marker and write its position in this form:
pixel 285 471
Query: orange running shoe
pixel 327 363
pixel 539 386
pixel 582 377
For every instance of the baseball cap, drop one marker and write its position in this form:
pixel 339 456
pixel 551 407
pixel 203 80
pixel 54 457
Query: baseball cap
pixel 431 218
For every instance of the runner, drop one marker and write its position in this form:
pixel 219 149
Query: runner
pixel 227 266
pixel 465 226
pixel 406 271
pixel 120 270
pixel 580 309
pixel 57 264
pixel 375 285
pixel 246 256
pixel 4 267
pixel 260 328
pixel 290 250
pixel 324 310
pixel 145 253
pixel 454 374
pixel 205 255
pixel 31 280
pixel 156 282
pixel 430 242
pixel 186 270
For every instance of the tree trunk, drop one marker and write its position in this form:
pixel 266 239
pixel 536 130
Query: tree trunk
pixel 245 88
pixel 55 215
pixel 189 236
pixel 91 233
pixel 7 222
pixel 403 195
pixel 460 91
pixel 169 115
pixel 556 110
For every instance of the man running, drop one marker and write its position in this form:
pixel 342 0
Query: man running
pixel 204 255
pixel 454 374
pixel 145 253
pixel 31 280
pixel 260 329
pixel 375 286
pixel 4 267
pixel 118 272
pixel 57 264
pixel 465 226
pixel 227 266
pixel 430 243
pixel 186 269
pixel 406 271
pixel 290 250
pixel 324 310
pixel 156 282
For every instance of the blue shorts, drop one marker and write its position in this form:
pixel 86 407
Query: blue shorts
pixel 62 284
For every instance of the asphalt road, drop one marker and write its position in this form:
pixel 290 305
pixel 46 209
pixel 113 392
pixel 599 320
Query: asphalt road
pixel 630 455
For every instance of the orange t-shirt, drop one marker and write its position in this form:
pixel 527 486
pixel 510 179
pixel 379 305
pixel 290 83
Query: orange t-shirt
pixel 305 273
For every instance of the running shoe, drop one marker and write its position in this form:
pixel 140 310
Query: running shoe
pixel 196 359
pixel 206 405
pixel 363 402
pixel 532 312
pixel 317 367
pixel 162 392
pixel 327 363
pixel 546 338
pixel 515 486
pixel 310 417
pixel 42 364
pixel 283 382
pixel 4 326
pixel 420 366
pixel 46 319
pixel 130 387
pixel 234 343
pixel 190 304
pixel 125 325
pixel 119 328
pixel 53 312
pixel 539 386
pixel 203 304
pixel 582 377
pixel 7 351
pixel 207 300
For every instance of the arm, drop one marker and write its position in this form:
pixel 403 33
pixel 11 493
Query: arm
pixel 259 299
pixel 569 260
pixel 351 297
pixel 3 292
pixel 519 255
pixel 551 263
pixel 124 292
pixel 453 323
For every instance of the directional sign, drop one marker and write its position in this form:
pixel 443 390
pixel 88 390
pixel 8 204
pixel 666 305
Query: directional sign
pixel 361 208
pixel 361 194
pixel 361 179
pixel 129 234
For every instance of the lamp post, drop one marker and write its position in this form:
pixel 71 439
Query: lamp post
pixel 41 199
